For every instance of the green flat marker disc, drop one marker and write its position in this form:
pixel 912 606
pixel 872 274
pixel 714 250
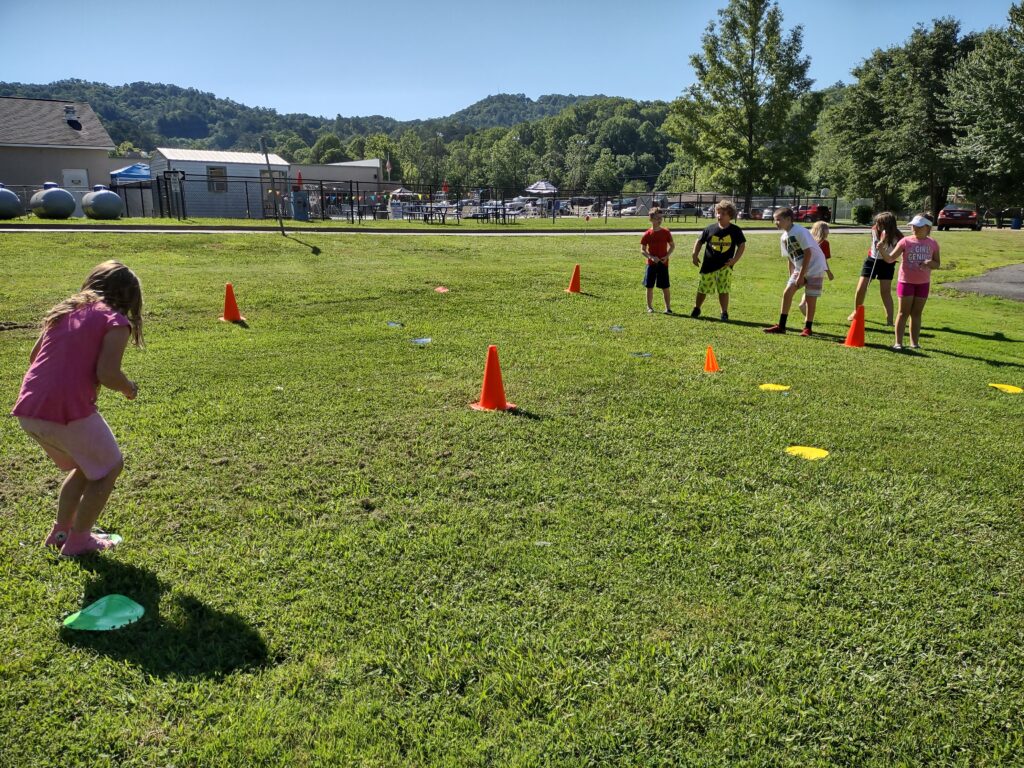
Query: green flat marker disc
pixel 806 452
pixel 110 612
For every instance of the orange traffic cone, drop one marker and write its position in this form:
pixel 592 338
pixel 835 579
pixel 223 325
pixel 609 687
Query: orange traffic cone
pixel 231 314
pixel 710 363
pixel 492 394
pixel 855 337
pixel 574 283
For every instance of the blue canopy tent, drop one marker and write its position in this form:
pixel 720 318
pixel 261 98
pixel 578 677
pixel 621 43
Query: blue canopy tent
pixel 130 173
pixel 134 176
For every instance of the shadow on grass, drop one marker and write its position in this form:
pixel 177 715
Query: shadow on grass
pixel 994 336
pixel 528 415
pixel 178 636
pixel 313 249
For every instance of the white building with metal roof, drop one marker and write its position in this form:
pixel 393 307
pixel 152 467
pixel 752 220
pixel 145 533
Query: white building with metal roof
pixel 216 184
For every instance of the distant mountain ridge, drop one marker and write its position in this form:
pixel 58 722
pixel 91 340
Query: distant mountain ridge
pixel 157 114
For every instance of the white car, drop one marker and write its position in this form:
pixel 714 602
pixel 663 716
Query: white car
pixel 628 211
pixel 767 214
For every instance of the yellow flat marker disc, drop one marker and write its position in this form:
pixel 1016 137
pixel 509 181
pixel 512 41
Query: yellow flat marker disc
pixel 1007 388
pixel 774 387
pixel 806 452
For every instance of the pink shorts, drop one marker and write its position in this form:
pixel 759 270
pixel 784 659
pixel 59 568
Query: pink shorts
pixel 918 290
pixel 86 444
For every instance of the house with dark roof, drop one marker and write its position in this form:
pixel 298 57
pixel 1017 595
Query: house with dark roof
pixel 51 140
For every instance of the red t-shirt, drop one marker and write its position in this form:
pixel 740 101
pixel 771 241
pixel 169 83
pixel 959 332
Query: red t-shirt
pixel 657 241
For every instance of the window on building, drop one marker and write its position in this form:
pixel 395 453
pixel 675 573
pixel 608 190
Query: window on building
pixel 217 178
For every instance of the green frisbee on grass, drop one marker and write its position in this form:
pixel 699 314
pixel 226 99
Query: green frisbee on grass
pixel 110 612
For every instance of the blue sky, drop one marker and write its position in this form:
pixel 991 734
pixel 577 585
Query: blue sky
pixel 425 58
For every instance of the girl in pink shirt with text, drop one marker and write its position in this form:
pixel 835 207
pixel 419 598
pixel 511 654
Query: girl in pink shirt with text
pixel 81 346
pixel 920 256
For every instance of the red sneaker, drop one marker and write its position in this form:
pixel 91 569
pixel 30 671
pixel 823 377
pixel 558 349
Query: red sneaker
pixel 775 329
pixel 805 332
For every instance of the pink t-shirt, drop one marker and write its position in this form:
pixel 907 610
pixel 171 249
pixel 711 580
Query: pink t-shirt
pixel 61 383
pixel 916 251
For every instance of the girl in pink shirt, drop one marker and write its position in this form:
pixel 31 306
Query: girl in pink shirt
pixel 920 256
pixel 80 348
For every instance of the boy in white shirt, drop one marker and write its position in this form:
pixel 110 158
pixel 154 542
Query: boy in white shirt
pixel 807 268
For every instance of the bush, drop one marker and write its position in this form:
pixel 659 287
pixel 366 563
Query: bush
pixel 862 214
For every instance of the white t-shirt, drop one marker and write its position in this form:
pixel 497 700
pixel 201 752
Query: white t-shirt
pixel 798 244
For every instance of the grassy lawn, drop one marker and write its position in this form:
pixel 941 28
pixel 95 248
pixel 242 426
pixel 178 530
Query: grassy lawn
pixel 343 564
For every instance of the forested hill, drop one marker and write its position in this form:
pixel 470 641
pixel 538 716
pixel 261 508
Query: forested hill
pixel 506 109
pixel 154 114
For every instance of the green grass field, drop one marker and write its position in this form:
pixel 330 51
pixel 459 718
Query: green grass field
pixel 342 564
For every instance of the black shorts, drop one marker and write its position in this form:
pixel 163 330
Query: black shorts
pixel 656 276
pixel 879 269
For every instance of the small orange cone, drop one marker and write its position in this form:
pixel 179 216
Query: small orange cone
pixel 492 394
pixel 231 314
pixel 710 363
pixel 574 283
pixel 855 337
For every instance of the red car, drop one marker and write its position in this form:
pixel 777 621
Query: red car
pixel 813 212
pixel 958 216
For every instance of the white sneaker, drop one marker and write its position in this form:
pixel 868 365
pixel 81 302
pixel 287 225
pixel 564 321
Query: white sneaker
pixel 897 347
pixel 915 346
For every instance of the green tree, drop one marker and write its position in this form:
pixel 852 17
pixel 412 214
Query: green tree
pixel 985 100
pixel 887 135
pixel 604 176
pixel 328 149
pixel 749 116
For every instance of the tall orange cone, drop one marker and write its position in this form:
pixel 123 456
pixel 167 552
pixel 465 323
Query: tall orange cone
pixel 231 314
pixel 492 394
pixel 855 337
pixel 710 363
pixel 574 283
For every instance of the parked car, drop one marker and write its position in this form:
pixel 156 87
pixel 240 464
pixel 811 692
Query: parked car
pixel 629 211
pixel 958 216
pixel 626 202
pixel 742 214
pixel 708 212
pixel 768 214
pixel 813 212
pixel 683 209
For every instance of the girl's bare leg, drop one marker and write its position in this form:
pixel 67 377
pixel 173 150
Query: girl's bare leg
pixel 858 299
pixel 915 321
pixel 906 308
pixel 94 499
pixel 70 495
pixel 885 288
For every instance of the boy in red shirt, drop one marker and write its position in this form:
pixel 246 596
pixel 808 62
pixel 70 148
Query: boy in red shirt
pixel 657 245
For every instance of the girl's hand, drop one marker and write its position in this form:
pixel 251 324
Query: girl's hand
pixel 133 392
pixel 830 275
pixel 696 261
pixel 928 264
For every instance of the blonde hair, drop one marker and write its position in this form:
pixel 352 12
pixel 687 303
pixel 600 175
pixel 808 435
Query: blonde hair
pixel 726 206
pixel 113 284
pixel 819 231
pixel 655 211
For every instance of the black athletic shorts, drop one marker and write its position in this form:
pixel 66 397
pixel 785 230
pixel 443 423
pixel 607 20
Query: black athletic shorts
pixel 879 269
pixel 656 276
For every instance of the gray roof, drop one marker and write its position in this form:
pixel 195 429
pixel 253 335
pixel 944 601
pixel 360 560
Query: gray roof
pixel 45 123
pixel 219 156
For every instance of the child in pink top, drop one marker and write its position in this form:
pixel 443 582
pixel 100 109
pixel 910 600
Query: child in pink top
pixel 80 348
pixel 920 256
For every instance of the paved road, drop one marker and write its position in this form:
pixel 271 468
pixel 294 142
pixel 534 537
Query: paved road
pixel 1007 282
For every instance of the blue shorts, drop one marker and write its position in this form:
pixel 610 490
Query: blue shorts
pixel 656 276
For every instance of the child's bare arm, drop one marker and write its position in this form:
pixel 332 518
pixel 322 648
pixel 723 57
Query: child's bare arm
pixel 933 262
pixel 894 254
pixel 696 251
pixel 739 254
pixel 108 366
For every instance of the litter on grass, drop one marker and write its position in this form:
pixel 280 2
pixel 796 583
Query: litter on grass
pixel 393 324
pixel 1007 388
pixel 617 329
pixel 110 612
pixel 774 387
pixel 640 354
pixel 441 289
pixel 806 452
pixel 422 342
